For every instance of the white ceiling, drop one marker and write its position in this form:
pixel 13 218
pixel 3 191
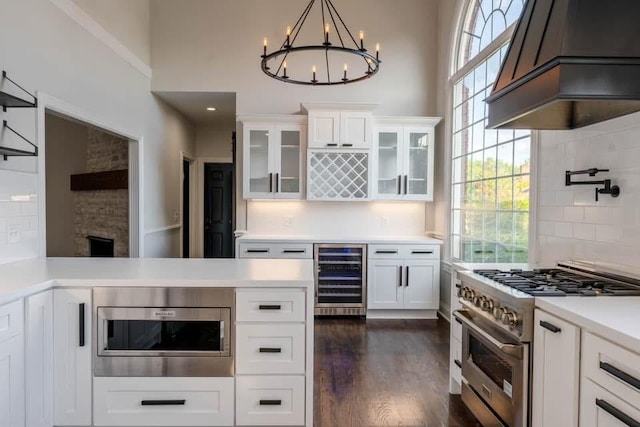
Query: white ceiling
pixel 193 105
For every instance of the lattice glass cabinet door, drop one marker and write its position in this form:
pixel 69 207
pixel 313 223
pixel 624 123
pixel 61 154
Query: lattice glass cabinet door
pixel 289 177
pixel 260 177
pixel 389 174
pixel 419 164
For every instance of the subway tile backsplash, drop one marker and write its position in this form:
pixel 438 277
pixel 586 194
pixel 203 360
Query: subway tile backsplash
pixel 570 223
pixel 18 215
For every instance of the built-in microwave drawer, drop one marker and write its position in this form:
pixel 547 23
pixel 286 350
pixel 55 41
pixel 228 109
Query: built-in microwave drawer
pixel 270 348
pixel 270 400
pixel 163 401
pixel 612 367
pixel 274 305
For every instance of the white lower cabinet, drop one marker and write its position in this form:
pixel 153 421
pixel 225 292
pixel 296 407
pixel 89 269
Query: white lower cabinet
pixel 39 360
pixel 12 381
pixel 72 357
pixel 270 400
pixel 403 284
pixel 163 401
pixel 601 408
pixel 556 371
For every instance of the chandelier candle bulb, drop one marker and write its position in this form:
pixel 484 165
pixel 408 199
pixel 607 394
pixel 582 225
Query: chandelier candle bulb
pixel 326 34
pixel 288 35
pixel 362 40
pixel 345 73
pixel 378 51
pixel 314 74
pixel 284 65
pixel 265 48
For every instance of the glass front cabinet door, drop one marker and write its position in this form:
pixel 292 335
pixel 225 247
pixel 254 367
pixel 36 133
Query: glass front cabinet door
pixel 405 161
pixel 272 163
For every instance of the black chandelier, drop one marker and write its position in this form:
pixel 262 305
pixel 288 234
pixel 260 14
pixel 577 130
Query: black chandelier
pixel 274 64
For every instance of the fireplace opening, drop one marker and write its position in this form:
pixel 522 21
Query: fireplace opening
pixel 100 247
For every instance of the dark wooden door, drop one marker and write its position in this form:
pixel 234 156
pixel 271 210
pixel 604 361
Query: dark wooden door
pixel 218 210
pixel 185 208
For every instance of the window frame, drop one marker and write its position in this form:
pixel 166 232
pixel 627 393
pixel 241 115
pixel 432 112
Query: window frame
pixel 456 73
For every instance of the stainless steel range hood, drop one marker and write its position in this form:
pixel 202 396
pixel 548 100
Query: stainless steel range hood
pixel 571 63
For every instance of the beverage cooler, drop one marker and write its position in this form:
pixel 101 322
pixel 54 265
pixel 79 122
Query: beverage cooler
pixel 341 279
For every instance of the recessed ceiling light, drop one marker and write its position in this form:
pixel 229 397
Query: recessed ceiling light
pixel 211 108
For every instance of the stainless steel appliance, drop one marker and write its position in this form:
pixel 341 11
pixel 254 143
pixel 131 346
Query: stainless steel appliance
pixel 341 282
pixel 163 332
pixel 497 331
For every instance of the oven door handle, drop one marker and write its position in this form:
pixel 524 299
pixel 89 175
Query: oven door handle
pixel 510 349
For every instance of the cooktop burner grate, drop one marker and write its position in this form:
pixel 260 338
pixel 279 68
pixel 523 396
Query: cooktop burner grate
pixel 556 282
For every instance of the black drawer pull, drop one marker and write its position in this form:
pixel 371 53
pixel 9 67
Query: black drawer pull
pixel 294 251
pixel 380 251
pixel 458 320
pixel 458 363
pixel 270 350
pixel 621 375
pixel 270 307
pixel 163 402
pixel 270 402
pixel 616 413
pixel 81 324
pixel 347 145
pixel 332 145
pixel 549 326
pixel 421 252
pixel 458 285
pixel 257 251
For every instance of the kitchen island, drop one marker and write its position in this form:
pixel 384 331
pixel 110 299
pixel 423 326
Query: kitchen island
pixel 50 339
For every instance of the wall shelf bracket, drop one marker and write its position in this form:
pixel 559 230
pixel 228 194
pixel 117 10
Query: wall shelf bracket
pixel 11 101
pixel 613 190
pixel 7 152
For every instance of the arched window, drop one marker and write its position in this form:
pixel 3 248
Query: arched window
pixel 490 172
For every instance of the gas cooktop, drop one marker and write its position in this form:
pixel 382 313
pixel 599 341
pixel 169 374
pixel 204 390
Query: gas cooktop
pixel 551 282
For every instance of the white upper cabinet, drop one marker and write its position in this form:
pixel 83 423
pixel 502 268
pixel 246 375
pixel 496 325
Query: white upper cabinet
pixel 404 156
pixel 348 126
pixel 273 150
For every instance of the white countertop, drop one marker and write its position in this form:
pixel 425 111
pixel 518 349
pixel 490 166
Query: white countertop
pixel 25 278
pixel 613 318
pixel 425 240
pixel 466 266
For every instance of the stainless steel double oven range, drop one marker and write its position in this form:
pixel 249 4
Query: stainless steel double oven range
pixel 497 321
pixel 163 332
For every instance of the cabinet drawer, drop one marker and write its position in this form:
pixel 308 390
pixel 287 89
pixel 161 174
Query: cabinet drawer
pixel 270 349
pixel 163 401
pixel 270 400
pixel 385 251
pixel 274 305
pixel 601 408
pixel 456 360
pixel 11 320
pixel 420 251
pixel 612 367
pixel 404 251
pixel 456 328
pixel 276 250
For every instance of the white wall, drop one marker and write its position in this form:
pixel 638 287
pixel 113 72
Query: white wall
pixel 214 140
pixel 18 215
pixel 571 224
pixel 66 152
pixel 127 20
pixel 335 218
pixel 55 55
pixel 215 45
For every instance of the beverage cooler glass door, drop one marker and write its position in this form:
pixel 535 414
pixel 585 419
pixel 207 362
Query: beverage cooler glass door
pixel 341 275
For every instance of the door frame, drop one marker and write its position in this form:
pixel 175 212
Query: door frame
pixel 67 110
pixel 193 203
pixel 198 244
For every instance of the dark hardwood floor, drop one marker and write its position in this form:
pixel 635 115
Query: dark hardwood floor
pixel 384 373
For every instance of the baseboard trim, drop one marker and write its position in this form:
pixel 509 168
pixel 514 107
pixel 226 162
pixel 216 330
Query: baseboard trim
pixel 402 314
